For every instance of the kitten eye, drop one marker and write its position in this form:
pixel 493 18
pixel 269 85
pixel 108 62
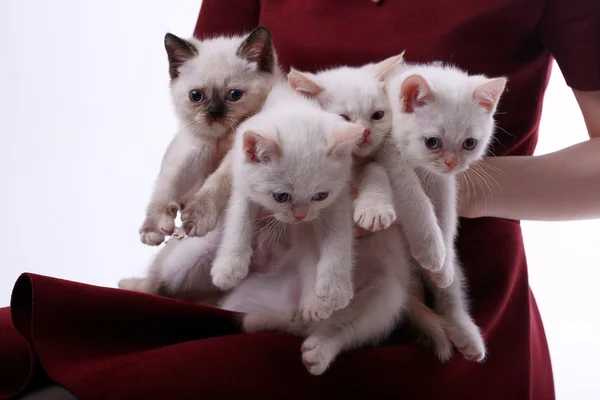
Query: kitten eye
pixel 234 95
pixel 320 196
pixel 196 96
pixel 347 118
pixel 469 144
pixel 377 116
pixel 281 197
pixel 433 142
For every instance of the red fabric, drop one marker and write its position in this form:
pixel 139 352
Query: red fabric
pixel 111 344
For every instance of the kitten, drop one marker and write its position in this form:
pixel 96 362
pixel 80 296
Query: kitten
pixel 215 85
pixel 294 160
pixel 443 123
pixel 358 95
pixel 270 297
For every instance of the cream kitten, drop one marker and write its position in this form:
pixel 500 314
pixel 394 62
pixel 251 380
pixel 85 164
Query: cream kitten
pixel 443 122
pixel 215 85
pixel 294 160
pixel 270 298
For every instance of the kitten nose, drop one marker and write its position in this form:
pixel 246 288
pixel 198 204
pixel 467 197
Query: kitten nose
pixel 299 217
pixel 365 135
pixel 215 112
pixel 450 163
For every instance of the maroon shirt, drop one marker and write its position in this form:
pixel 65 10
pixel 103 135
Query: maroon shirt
pixel 513 38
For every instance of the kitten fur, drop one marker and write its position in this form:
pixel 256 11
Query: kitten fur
pixel 293 160
pixel 443 123
pixel 216 67
pixel 358 94
pixel 215 85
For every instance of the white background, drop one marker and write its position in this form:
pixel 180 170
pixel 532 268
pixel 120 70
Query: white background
pixel 85 117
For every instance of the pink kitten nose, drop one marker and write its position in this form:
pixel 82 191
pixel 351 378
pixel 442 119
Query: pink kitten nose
pixel 365 136
pixel 299 217
pixel 450 163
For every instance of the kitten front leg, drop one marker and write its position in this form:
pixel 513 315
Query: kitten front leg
pixel 374 206
pixel 184 162
pixel 232 263
pixel 443 192
pixel 334 287
pixel 200 214
pixel 416 211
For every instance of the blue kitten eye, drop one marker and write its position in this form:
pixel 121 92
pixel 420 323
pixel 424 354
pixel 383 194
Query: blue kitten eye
pixel 320 196
pixel 377 116
pixel 196 96
pixel 469 144
pixel 347 118
pixel 433 142
pixel 281 197
pixel 234 95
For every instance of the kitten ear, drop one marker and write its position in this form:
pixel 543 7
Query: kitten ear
pixel 178 51
pixel 488 93
pixel 304 83
pixel 258 148
pixel 258 48
pixel 415 92
pixel 388 66
pixel 345 138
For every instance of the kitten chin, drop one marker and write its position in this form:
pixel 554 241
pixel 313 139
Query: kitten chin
pixel 218 83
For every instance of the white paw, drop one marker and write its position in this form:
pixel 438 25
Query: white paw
pixel 130 283
pixel 331 294
pixel 200 215
pixel 229 271
pixel 444 277
pixel 374 218
pixel 315 356
pixel 443 349
pixel 141 285
pixel 430 252
pixel 315 309
pixel 156 227
pixel 468 341
pixel 179 233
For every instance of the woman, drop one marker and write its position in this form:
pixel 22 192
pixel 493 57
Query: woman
pixel 499 37
pixel 105 343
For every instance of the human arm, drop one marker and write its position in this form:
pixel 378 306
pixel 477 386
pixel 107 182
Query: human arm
pixel 564 185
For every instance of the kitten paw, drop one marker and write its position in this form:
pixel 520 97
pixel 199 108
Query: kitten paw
pixel 468 341
pixel 179 233
pixel 315 310
pixel 229 271
pixel 141 285
pixel 374 218
pixel 430 253
pixel 330 295
pixel 200 215
pixel 444 277
pixel 157 226
pixel 315 355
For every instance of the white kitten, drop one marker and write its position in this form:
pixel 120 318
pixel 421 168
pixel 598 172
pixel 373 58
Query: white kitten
pixel 294 160
pixel 443 122
pixel 382 282
pixel 215 84
pixel 358 95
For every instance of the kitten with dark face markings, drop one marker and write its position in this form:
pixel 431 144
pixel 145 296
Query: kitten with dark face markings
pixel 215 85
